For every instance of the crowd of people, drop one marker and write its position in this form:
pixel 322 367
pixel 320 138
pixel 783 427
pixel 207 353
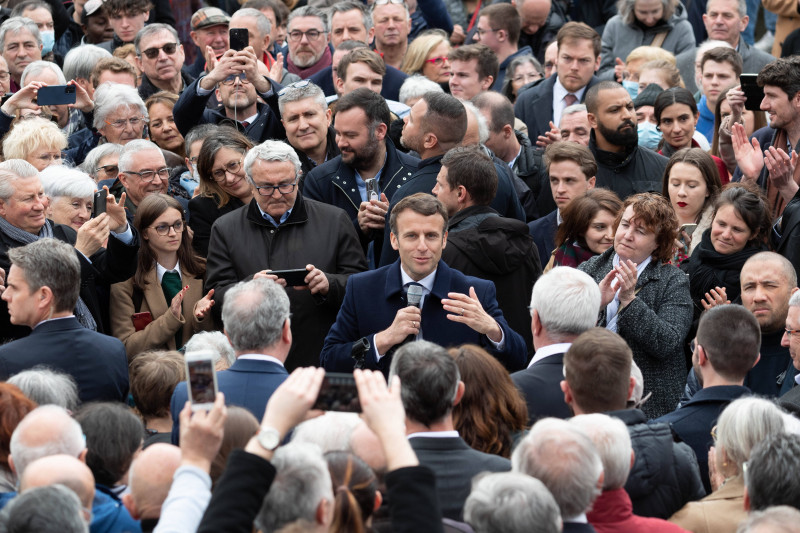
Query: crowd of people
pixel 554 244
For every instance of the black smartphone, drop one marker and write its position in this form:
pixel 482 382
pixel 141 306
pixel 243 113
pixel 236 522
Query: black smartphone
pixel 338 393
pixel 99 202
pixel 239 38
pixel 56 95
pixel 752 92
pixel 202 378
pixel 295 277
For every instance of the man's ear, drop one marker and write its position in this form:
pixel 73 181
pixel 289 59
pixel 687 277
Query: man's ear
pixel 508 131
pixel 380 131
pixel 459 393
pixel 592 120
pixel 536 324
pixel 567 392
pixel 324 514
pixel 82 455
pixel 378 500
pixel 393 241
pixel 592 181
pixel 11 465
pixel 487 82
pixel 631 386
pixel 130 505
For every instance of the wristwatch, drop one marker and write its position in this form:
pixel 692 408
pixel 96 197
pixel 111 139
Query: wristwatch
pixel 268 438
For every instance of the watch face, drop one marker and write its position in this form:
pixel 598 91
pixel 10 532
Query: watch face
pixel 269 438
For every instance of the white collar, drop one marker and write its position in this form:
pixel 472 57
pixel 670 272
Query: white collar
pixel 547 351
pixel 160 270
pixel 559 91
pixel 580 519
pixel 72 316
pixel 260 357
pixel 426 282
pixel 434 434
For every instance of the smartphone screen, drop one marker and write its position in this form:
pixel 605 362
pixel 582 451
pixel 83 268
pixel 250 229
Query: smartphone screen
pixel 338 393
pixel 202 379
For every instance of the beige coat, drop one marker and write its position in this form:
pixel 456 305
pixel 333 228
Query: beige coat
pixel 788 20
pixel 160 333
pixel 719 512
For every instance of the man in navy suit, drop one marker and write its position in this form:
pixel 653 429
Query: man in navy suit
pixel 564 304
pixel 42 290
pixel 572 168
pixel 578 58
pixel 256 319
pixel 375 318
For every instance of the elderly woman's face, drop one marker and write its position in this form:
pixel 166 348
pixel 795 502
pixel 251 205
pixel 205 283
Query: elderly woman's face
pixel 633 240
pixel 648 12
pixel 73 212
pixel 123 124
pixel 163 131
pixel 525 74
pixel 44 156
pixel 437 66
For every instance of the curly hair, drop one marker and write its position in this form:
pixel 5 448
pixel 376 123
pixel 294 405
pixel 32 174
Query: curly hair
pixel 492 409
pixel 656 214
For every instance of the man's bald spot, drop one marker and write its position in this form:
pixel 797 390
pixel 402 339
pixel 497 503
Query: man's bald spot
pixel 790 275
pixel 150 477
pixel 366 445
pixel 64 469
pixel 43 425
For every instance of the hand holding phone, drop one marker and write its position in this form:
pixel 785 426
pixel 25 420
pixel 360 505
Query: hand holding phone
pixel 56 95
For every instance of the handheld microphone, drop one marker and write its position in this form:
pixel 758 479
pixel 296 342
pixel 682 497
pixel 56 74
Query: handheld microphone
pixel 414 295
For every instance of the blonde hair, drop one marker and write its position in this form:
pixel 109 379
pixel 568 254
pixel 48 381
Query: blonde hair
pixel 418 51
pixel 28 135
pixel 650 53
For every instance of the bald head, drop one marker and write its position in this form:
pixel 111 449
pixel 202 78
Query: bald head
pixel 45 431
pixel 150 478
pixel 365 444
pixel 64 469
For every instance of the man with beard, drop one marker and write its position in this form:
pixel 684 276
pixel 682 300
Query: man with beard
pixel 725 349
pixel 235 79
pixel 363 179
pixel 622 166
pixel 308 42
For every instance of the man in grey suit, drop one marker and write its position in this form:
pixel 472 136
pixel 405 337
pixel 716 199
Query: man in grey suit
pixel 431 386
pixel 724 21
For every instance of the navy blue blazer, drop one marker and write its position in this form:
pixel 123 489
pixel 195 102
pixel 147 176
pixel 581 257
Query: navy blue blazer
pixel 247 383
pixel 373 298
pixel 543 230
pixel 693 421
pixel 97 362
pixel 392 81
pixel 541 386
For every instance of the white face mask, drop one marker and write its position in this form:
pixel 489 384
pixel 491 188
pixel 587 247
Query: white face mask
pixel 195 174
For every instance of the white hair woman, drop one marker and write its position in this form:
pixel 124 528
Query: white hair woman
pixel 69 192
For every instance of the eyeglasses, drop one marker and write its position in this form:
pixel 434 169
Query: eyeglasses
pixel 220 174
pixel 714 432
pixel 283 188
pixel 296 85
pixel 527 78
pixel 134 122
pixel 109 170
pixel 311 35
pixel 230 80
pixel 438 61
pixel 149 175
pixel 163 229
pixel 790 332
pixel 484 32
pixel 152 53
pixel 193 160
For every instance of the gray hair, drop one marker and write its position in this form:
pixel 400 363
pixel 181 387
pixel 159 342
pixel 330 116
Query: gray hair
pixel 794 301
pixel 350 5
pixel 767 483
pixel 563 458
pixel 613 442
pixel 292 93
pixel 130 150
pixel 374 6
pixel 573 109
pixel 152 29
pixel 33 69
pixel 79 62
pixel 743 424
pixel 638 385
pixel 778 519
pixel 59 181
pixel 12 170
pixel 301 482
pixel 270 151
pixel 567 301
pixel 741 8
pixel 417 85
pixel 46 386
pixel 263 24
pixel 199 133
pixel 49 509
pixel 509 502
pixel 111 96
pixel 309 11
pixel 94 157
pixel 331 431
pixel 216 341
pixel 483 125
pixel 50 263
pixel 65 436
pixel 254 313
pixel 16 24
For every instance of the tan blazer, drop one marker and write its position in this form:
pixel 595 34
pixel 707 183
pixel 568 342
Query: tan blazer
pixel 160 333
pixel 719 512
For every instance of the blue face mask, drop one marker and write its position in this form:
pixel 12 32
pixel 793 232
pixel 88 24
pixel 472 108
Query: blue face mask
pixel 48 41
pixel 632 87
pixel 649 136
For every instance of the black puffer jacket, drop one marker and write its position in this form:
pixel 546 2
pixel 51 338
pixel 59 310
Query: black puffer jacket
pixel 530 168
pixel 665 475
pixel 483 244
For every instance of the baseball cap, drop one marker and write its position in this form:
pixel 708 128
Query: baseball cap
pixel 209 16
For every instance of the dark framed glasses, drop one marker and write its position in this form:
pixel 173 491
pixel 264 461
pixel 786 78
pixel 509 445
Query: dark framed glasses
pixel 230 80
pixel 163 229
pixel 283 188
pixel 152 53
